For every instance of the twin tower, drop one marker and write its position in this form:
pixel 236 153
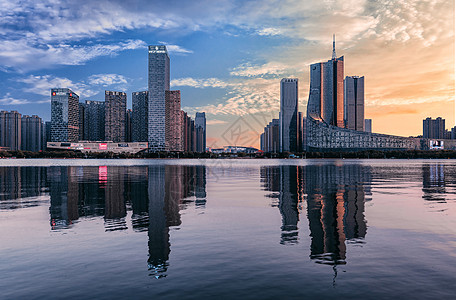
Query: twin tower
pixel 333 100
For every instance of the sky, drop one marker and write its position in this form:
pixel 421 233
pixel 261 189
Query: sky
pixel 227 57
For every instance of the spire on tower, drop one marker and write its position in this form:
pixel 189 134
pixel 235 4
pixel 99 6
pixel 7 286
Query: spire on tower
pixel 334 47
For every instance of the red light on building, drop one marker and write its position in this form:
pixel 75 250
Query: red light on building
pixel 53 93
pixel 71 94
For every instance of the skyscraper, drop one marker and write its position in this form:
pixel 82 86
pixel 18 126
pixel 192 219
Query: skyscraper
pixel 31 133
pixel 64 115
pixel 368 125
pixel 271 137
pixel 115 108
pixel 94 120
pixel 10 130
pixel 289 114
pixel 326 95
pixel 158 84
pixel 434 129
pixel 140 105
pixel 128 126
pixel 81 121
pixel 354 102
pixel 200 127
pixel 173 121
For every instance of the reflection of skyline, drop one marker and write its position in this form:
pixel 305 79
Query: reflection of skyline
pixel 335 205
pixel 434 182
pixel 154 194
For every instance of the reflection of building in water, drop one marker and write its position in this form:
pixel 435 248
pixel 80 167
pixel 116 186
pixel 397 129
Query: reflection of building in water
pixel 115 210
pixel 137 194
pixel 63 190
pixel 335 205
pixel 20 185
pixel 200 186
pixel 434 182
pixel 169 186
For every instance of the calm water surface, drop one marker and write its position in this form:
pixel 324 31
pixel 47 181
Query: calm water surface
pixel 225 229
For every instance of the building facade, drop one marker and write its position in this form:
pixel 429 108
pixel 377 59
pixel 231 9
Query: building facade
pixel 289 126
pixel 200 127
pixel 64 115
pixel 158 83
pixel 115 109
pixel 368 125
pixel 173 121
pixel 94 120
pixel 10 130
pixel 354 102
pixel 271 137
pixel 81 121
pixel 139 122
pixel 128 133
pixel 434 128
pixel 31 133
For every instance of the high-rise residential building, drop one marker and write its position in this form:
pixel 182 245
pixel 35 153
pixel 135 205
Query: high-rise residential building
pixel 115 109
pixel 289 115
pixel 200 124
pixel 300 131
pixel 31 133
pixel 453 133
pixel 64 115
pixel 434 129
pixel 326 95
pixel 128 125
pixel 94 120
pixel 173 121
pixel 81 121
pixel 188 133
pixel 10 130
pixel 304 134
pixel 139 122
pixel 158 83
pixel 368 125
pixel 354 102
pixel 271 137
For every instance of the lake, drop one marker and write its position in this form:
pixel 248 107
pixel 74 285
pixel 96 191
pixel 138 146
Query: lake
pixel 227 229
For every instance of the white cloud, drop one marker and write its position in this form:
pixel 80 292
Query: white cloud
pixel 199 83
pixel 176 48
pixel 33 57
pixel 215 122
pixel 8 100
pixel 42 85
pixel 269 31
pixel 107 79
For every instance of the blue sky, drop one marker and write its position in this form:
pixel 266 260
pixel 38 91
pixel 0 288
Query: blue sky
pixel 227 57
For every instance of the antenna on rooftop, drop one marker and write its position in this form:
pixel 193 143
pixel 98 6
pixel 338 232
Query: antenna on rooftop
pixel 334 47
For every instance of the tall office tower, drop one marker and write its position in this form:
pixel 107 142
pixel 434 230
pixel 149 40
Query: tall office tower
pixel 354 102
pixel 326 95
pixel 139 118
pixel 47 133
pixel 81 121
pixel 184 122
pixel 289 114
pixel 368 125
pixel 115 108
pixel 453 133
pixel 64 115
pixel 31 133
pixel 158 84
pixel 10 130
pixel 200 124
pixel 173 121
pixel 128 125
pixel 300 133
pixel 94 120
pixel 192 135
pixel 434 129
pixel 304 134
pixel 271 137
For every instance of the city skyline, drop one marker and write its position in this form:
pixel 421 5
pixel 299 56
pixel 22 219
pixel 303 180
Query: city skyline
pixel 228 64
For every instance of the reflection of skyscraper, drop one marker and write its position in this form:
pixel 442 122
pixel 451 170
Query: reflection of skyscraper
pixel 434 182
pixel 115 210
pixel 64 194
pixel 159 246
pixel 335 205
pixel 200 185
